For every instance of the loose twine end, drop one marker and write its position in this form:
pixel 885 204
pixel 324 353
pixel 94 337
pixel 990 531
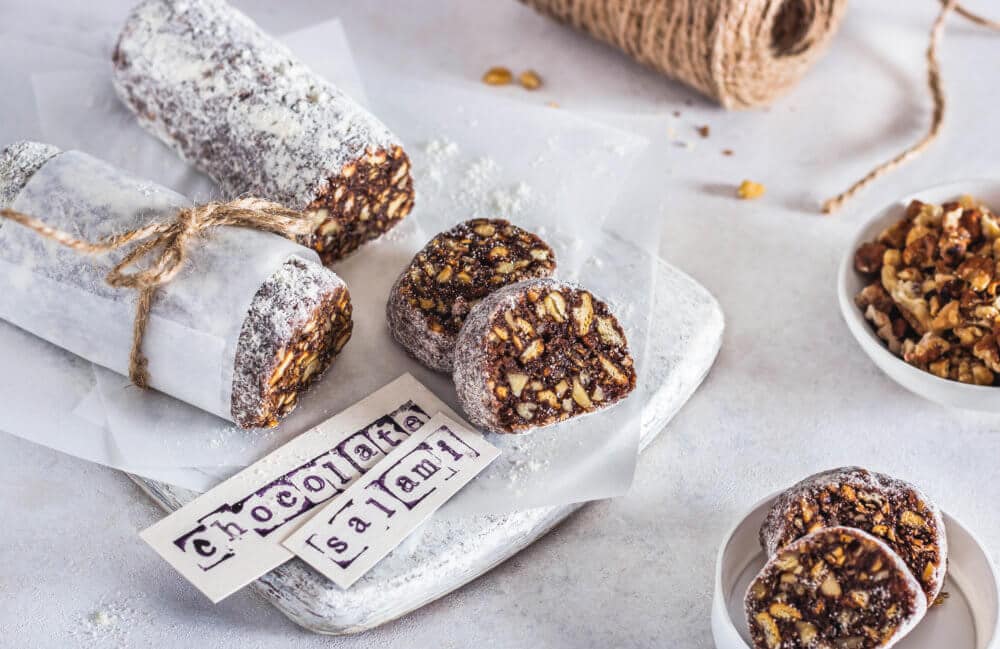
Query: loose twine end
pixel 165 246
pixel 937 117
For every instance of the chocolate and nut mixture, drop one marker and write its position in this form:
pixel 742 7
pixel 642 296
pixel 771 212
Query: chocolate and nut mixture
pixel 934 283
pixel 299 321
pixel 838 588
pixel 892 510
pixel 366 200
pixel 539 352
pixel 239 105
pixel 451 274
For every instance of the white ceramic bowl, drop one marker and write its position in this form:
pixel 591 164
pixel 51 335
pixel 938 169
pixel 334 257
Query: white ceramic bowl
pixel 850 282
pixel 968 619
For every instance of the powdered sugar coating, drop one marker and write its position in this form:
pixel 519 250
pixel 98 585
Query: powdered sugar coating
pixel 777 528
pixel 238 104
pixel 472 357
pixel 18 163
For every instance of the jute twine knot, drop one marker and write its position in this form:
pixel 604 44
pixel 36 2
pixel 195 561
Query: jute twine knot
pixel 165 246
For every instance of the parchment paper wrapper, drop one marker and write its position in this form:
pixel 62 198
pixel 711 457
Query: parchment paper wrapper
pixel 474 153
pixel 61 296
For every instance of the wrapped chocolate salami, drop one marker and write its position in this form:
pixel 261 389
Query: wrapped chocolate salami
pixel 236 103
pixel 250 321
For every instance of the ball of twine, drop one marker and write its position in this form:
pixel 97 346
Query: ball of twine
pixel 742 53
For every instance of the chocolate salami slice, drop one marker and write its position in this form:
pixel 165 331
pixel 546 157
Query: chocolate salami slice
pixel 451 274
pixel 838 588
pixel 263 346
pixel 891 509
pixel 236 103
pixel 538 352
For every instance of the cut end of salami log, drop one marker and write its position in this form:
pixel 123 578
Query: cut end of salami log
pixel 237 104
pixel 297 323
pixel 888 508
pixel 433 296
pixel 537 353
pixel 839 588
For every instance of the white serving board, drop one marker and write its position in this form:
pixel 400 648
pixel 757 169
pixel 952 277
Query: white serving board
pixel 446 553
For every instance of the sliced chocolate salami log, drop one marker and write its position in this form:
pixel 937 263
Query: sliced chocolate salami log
pixel 298 322
pixel 891 509
pixel 838 588
pixel 432 297
pixel 298 319
pixel 538 352
pixel 236 103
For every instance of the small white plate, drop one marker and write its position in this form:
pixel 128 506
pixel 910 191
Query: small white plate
pixel 968 619
pixel 850 282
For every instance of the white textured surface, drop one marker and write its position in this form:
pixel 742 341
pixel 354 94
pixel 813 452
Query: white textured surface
pixel 791 393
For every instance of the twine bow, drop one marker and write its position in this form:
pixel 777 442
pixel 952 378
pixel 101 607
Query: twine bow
pixel 165 245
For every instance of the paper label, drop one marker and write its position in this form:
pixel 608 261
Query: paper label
pixel 231 535
pixel 359 527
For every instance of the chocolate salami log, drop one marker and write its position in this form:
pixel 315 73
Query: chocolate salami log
pixel 458 268
pixel 251 321
pixel 891 509
pixel 233 101
pixel 837 587
pixel 539 352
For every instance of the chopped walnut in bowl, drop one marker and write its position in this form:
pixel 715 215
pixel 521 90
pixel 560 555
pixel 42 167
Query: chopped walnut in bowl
pixel 932 289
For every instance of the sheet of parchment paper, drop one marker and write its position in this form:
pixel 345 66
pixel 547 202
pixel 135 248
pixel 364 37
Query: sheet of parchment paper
pixel 474 154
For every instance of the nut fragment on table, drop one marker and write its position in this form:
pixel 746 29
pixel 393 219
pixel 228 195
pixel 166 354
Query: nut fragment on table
pixel 537 353
pixel 932 292
pixel 838 587
pixel 749 190
pixel 451 274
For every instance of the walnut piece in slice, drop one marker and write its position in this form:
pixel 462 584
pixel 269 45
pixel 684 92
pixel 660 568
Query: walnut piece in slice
pixel 432 297
pixel 537 353
pixel 838 587
pixel 890 509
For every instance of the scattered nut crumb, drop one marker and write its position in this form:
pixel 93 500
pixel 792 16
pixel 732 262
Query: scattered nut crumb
pixel 498 76
pixel 749 190
pixel 552 104
pixel 530 80
pixel 727 152
pixel 704 131
pixel 677 113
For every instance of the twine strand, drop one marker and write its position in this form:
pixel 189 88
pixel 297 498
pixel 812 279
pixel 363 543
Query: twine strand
pixel 172 239
pixel 937 115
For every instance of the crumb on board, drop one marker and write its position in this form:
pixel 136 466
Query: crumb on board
pixel 749 190
pixel 727 152
pixel 704 131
